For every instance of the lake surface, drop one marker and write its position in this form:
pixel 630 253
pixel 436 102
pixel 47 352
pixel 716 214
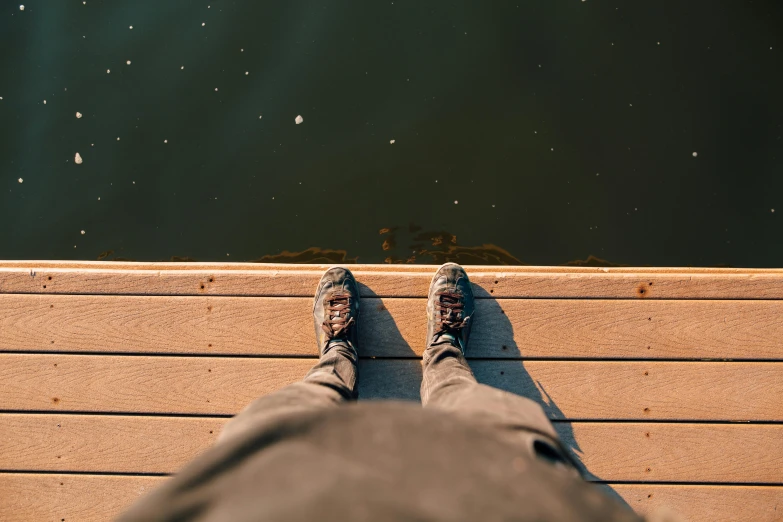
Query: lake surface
pixel 532 132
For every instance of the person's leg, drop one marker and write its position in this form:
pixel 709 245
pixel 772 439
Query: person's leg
pixel 448 382
pixel 333 379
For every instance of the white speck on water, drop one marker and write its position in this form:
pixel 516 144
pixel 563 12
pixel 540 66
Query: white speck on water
pixel 108 71
pixel 131 27
pixel 1 97
pixel 44 102
pixel 83 232
pixel 118 138
pixel 695 154
pixel 99 198
pixel 597 173
pixel 659 43
pixel 165 141
pixel 247 72
pixel 21 8
pixel 259 116
pixel 391 142
pixel 216 89
pixel 630 104
pixel 493 206
pixel 299 119
pixel 203 24
pixel 22 181
pixel 181 68
pixel 241 50
pixel 552 149
pixel 78 159
pixel 456 202
pixel 128 62
pixel 78 114
pixel 134 182
pixel 771 210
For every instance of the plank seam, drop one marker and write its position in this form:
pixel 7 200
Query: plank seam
pixel 569 420
pixel 216 416
pixel 593 481
pixel 385 358
pixel 120 414
pixel 382 296
pixel 96 473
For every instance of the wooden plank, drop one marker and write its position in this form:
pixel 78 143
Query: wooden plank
pixel 96 498
pixel 298 281
pixel 84 498
pixel 565 389
pixel 507 328
pixel 143 384
pixel 624 452
pixel 584 390
pixel 101 443
pixel 682 452
pixel 705 503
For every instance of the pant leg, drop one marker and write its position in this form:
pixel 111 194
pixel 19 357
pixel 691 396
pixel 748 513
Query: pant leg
pixel 448 384
pixel 328 384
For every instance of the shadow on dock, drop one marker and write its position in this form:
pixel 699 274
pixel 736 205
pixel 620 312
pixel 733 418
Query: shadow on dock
pixel 401 379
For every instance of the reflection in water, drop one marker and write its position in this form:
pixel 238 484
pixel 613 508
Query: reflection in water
pixel 438 247
pixel 311 255
pixel 420 247
pixel 591 261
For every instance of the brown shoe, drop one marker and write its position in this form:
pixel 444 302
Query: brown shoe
pixel 336 309
pixel 450 307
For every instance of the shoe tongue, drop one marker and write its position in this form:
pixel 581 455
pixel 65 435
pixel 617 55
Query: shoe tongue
pixel 446 338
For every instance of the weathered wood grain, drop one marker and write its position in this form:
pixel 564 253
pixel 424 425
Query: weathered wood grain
pixel 507 328
pixel 222 386
pixel 612 390
pixel 705 503
pixel 96 498
pixel 57 497
pixel 296 281
pixel 681 452
pixel 625 452
pixel 584 313
pixel 105 443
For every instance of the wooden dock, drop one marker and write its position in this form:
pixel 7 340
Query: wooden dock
pixel 667 384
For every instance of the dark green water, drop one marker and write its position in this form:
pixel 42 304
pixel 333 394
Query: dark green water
pixel 563 129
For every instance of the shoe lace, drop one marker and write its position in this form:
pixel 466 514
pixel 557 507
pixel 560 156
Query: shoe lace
pixel 450 306
pixel 339 318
